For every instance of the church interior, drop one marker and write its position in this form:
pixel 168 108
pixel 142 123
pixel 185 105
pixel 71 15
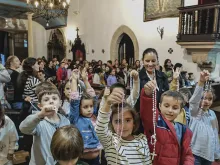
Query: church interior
pixel 184 31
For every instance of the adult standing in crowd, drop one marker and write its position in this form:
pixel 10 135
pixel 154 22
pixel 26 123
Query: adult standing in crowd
pixel 12 64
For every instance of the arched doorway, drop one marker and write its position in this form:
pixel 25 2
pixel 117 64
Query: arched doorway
pixel 120 35
pixel 126 49
pixel 56 45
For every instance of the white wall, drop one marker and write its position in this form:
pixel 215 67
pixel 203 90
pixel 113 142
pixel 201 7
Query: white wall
pixel 98 20
pixel 191 2
pixel 39 39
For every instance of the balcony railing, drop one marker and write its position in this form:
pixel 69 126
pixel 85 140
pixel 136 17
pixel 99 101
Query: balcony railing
pixel 199 23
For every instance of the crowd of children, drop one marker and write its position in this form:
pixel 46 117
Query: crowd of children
pixel 158 122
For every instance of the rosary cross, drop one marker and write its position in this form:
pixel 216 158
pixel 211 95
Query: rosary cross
pixel 153 155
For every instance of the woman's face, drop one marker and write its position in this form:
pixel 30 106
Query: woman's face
pixel 124 61
pixel 169 63
pixel 36 67
pixel 16 63
pixel 138 63
pixel 41 65
pixel 150 61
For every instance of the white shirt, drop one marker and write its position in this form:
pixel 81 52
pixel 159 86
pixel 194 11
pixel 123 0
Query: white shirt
pixel 8 140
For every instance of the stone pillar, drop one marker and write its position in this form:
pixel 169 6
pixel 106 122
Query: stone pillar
pixel 30 35
pixel 11 44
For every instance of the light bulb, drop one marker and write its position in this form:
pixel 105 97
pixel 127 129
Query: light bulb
pixel 68 2
pixel 47 23
pixel 51 5
pixel 64 4
pixel 36 3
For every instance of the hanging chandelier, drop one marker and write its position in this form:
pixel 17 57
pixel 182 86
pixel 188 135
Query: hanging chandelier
pixel 49 9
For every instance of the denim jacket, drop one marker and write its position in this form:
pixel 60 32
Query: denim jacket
pixel 84 125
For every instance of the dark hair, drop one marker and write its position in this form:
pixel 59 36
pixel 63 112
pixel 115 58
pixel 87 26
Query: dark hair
pixel 28 71
pixel 177 65
pixel 109 61
pixel 117 108
pixel 117 85
pixel 176 95
pixel 67 143
pixel 190 75
pixel 150 50
pixel 50 90
pixel 166 66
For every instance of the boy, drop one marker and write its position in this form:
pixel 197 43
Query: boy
pixel 173 139
pixel 67 146
pixel 43 124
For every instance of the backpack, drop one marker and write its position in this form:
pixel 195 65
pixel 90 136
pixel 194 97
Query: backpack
pixel 9 88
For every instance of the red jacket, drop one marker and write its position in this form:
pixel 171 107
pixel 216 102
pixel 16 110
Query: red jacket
pixel 61 74
pixel 168 150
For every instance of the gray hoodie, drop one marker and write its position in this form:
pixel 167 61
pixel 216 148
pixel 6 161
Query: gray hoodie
pixel 42 131
pixel 4 78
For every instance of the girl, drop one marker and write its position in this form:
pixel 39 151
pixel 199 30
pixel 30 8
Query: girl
pixel 111 78
pixel 120 144
pixel 204 124
pixel 148 72
pixel 137 65
pixel 81 115
pixel 8 138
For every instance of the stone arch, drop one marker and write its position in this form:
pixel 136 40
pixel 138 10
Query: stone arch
pixel 116 39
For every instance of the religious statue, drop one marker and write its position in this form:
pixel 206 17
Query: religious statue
pixel 155 9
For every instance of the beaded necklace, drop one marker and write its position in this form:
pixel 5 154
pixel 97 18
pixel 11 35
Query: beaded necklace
pixel 153 138
pixel 131 87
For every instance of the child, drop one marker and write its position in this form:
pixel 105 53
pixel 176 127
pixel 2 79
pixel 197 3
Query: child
pixel 134 93
pixel 120 144
pixel 43 124
pixel 204 124
pixel 172 145
pixel 184 116
pixel 191 79
pixel 8 138
pixel 81 115
pixel 67 146
pixel 111 78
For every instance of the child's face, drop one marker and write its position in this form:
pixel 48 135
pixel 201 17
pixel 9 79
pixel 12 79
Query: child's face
pixel 51 99
pixel 128 124
pixel 206 101
pixel 187 76
pixel 170 108
pixel 67 90
pixel 70 162
pixel 87 108
pixel 113 72
pixel 107 69
pixel 150 62
pixel 117 70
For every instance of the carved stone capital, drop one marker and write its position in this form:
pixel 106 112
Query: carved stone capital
pixel 200 52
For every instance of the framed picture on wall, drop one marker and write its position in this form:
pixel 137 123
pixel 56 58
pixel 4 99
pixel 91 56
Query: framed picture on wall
pixel 156 9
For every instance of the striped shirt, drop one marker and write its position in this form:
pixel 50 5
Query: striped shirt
pixel 119 151
pixel 30 86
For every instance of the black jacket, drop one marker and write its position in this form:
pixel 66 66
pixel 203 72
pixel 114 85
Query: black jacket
pixel 161 78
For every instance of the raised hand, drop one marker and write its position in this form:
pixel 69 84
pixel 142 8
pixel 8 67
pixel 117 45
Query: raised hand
pixel 47 111
pixel 204 76
pixel 176 73
pixel 106 92
pixel 134 74
pixel 116 96
pixel 84 74
pixel 75 74
pixel 149 87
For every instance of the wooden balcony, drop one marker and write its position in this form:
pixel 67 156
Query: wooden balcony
pixel 199 32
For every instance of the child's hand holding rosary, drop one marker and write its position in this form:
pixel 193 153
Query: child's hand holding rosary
pixel 116 96
pixel 134 74
pixel 47 111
